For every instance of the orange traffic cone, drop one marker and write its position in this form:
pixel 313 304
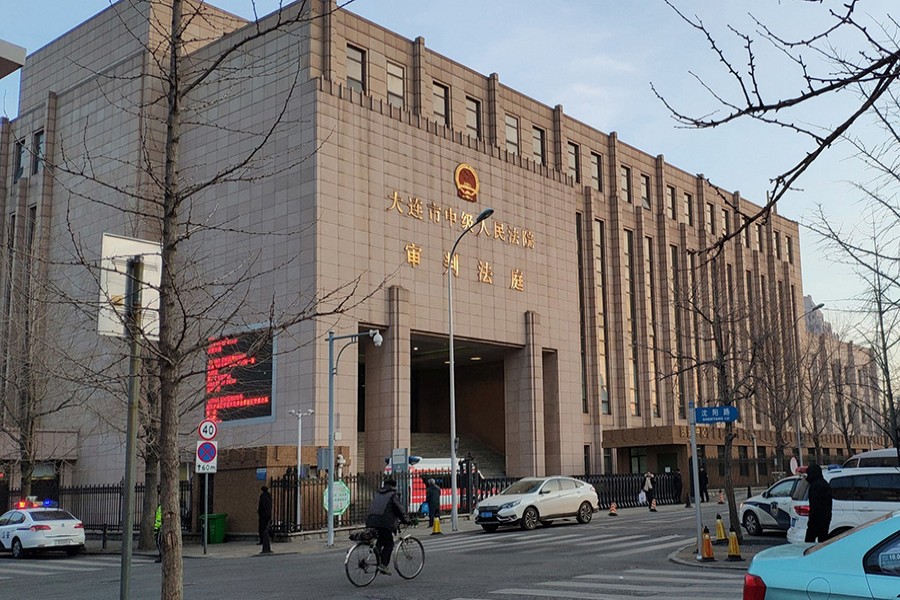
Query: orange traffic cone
pixel 720 530
pixel 707 554
pixel 436 530
pixel 653 505
pixel 612 510
pixel 721 497
pixel 734 550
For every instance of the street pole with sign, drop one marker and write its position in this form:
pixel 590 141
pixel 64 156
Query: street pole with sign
pixel 207 462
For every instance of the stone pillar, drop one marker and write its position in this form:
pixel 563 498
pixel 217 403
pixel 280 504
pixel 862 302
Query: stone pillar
pixel 387 385
pixel 524 399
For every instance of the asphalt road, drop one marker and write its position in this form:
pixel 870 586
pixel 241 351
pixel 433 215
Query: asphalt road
pixel 610 558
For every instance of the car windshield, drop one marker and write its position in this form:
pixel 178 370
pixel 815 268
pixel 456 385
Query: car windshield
pixel 523 486
pixel 52 515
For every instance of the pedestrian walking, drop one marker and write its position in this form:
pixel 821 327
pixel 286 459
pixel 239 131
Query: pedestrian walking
pixel 820 500
pixel 385 513
pixel 264 511
pixel 433 499
pixel 649 489
pixel 677 484
pixel 704 485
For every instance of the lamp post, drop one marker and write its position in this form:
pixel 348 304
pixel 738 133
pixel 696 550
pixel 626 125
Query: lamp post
pixel 799 395
pixel 300 414
pixel 332 371
pixel 454 491
pixel 755 459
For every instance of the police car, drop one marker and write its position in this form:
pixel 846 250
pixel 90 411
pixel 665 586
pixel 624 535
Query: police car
pixel 771 509
pixel 39 527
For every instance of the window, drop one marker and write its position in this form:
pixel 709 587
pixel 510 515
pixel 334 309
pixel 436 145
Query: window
pixel 625 183
pixel 776 242
pixel 395 83
pixel 762 463
pixel 746 232
pixel 689 210
pixel 726 225
pixel 602 325
pixel 632 386
pixel 473 117
pixel 596 172
pixel 645 191
pixel 790 248
pixel 512 134
pixel 744 462
pixel 650 307
pixel 759 238
pixel 671 202
pixel 37 152
pixel 20 161
pixel 587 459
pixel 441 98
pixel 356 69
pixel 574 162
pixel 582 311
pixel 538 150
pixel 710 218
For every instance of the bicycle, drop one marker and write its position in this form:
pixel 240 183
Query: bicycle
pixel 361 562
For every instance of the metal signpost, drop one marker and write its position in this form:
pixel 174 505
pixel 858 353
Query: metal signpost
pixel 704 416
pixel 207 462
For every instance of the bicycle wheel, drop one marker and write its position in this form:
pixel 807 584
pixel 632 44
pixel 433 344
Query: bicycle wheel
pixel 361 564
pixel 409 558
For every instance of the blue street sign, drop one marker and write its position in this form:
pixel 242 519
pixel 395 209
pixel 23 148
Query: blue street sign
pixel 715 414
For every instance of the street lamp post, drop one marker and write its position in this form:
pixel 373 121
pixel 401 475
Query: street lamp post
pixel 797 374
pixel 454 491
pixel 332 371
pixel 755 459
pixel 300 414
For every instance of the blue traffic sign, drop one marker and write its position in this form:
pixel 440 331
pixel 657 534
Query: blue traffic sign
pixel 206 452
pixel 716 414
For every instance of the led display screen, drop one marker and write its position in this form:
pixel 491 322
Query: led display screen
pixel 239 376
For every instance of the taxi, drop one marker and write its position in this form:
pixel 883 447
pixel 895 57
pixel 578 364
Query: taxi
pixel 39 527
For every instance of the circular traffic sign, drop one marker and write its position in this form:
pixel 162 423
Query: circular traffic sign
pixel 206 452
pixel 208 429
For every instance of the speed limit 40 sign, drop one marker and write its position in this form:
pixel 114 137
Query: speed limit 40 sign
pixel 208 429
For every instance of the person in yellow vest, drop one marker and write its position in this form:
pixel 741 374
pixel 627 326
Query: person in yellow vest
pixel 157 528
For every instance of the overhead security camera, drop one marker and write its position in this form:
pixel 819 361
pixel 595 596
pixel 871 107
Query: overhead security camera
pixel 376 337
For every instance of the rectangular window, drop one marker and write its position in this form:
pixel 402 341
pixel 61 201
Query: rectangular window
pixel 726 225
pixel 587 459
pixel 625 183
pixel 37 152
pixel 689 210
pixel 675 317
pixel 512 134
pixel 672 203
pixel 574 162
pixel 600 292
pixel 762 463
pixel 743 461
pixel 746 232
pixel 710 218
pixel 356 69
pixel 607 461
pixel 596 172
pixel 759 238
pixel 538 148
pixel 650 304
pixel 582 312
pixel 776 242
pixel 19 169
pixel 395 84
pixel 645 191
pixel 790 248
pixel 441 99
pixel 631 348
pixel 473 117
pixel 720 452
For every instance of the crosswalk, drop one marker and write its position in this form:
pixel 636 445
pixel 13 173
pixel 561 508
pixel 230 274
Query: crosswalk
pixel 668 584
pixel 50 566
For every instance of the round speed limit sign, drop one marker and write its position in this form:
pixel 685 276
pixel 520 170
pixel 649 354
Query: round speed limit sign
pixel 208 429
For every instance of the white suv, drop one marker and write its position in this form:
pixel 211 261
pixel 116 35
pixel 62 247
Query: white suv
pixel 858 494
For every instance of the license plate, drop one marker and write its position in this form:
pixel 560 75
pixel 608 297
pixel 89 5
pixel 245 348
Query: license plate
pixel 487 515
pixel 63 542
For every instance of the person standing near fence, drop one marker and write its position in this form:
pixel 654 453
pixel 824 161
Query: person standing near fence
pixel 704 485
pixel 264 511
pixel 677 484
pixel 433 499
pixel 649 489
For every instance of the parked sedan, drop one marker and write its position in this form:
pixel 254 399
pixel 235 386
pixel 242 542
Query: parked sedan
pixel 771 509
pixel 29 529
pixel 534 500
pixel 863 563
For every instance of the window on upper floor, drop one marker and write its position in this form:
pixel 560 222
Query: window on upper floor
pixel 441 97
pixel 726 224
pixel 574 162
pixel 759 238
pixel 671 202
pixel 596 171
pixel 776 244
pixel 645 191
pixel 356 69
pixel 790 248
pixel 746 232
pixel 689 210
pixel 19 167
pixel 473 117
pixel 538 146
pixel 37 151
pixel 512 134
pixel 395 84
pixel 625 183
pixel 710 218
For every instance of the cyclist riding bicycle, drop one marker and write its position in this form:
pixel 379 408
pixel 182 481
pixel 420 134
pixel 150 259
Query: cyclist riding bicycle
pixel 385 513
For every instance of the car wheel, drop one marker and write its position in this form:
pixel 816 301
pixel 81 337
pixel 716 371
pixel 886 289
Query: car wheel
pixel 489 528
pixel 530 518
pixel 585 513
pixel 73 551
pixel 17 550
pixel 751 523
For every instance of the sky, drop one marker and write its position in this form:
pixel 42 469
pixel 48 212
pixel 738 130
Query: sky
pixel 598 59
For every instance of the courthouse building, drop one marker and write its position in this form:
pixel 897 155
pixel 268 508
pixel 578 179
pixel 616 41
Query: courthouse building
pixel 578 307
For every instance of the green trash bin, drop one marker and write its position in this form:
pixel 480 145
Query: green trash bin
pixel 216 527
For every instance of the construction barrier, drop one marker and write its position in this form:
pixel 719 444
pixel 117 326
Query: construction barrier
pixel 707 553
pixel 653 505
pixel 612 510
pixel 436 530
pixel 734 550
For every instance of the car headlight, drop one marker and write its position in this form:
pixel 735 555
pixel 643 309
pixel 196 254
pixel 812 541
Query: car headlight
pixel 510 504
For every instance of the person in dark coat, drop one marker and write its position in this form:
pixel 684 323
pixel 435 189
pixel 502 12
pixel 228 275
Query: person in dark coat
pixel 433 499
pixel 677 484
pixel 264 511
pixel 385 514
pixel 819 505
pixel 704 485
